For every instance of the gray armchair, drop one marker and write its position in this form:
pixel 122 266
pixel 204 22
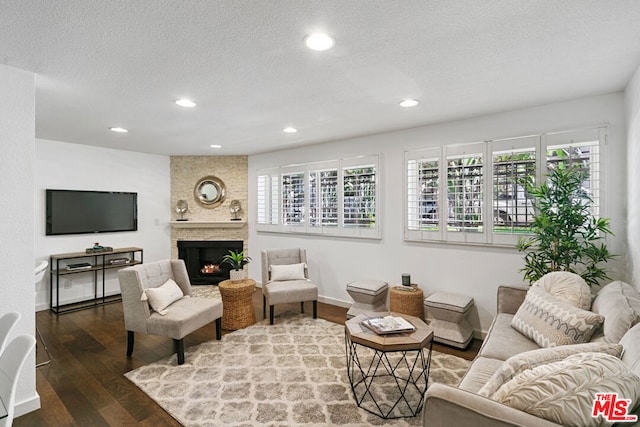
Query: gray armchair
pixel 282 290
pixel 182 317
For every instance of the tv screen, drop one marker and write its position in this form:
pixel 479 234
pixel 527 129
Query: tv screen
pixel 80 212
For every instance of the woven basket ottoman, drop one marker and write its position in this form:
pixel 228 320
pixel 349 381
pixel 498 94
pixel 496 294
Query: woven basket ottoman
pixel 369 296
pixel 449 318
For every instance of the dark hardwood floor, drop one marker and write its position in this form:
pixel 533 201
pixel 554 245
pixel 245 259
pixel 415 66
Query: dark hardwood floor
pixel 84 385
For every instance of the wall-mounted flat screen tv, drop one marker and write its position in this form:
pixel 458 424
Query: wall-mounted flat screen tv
pixel 81 212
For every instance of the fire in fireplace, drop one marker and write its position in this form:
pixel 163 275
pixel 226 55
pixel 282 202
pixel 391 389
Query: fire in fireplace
pixel 203 259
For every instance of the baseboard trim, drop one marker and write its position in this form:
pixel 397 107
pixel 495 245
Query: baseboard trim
pixel 28 405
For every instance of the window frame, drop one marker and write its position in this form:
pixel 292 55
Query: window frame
pixel 489 235
pixel 268 203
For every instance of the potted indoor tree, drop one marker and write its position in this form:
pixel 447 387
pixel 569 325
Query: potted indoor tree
pixel 237 261
pixel 566 234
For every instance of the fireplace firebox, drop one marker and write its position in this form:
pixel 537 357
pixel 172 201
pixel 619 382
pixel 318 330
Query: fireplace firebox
pixel 204 259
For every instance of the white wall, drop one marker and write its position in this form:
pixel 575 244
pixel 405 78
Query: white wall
pixel 474 271
pixel 60 165
pixel 632 103
pixel 17 131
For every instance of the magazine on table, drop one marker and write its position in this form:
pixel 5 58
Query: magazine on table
pixel 388 325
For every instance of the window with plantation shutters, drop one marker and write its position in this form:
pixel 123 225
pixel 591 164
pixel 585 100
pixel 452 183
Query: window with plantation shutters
pixel 477 193
pixel 465 192
pixel 323 198
pixel 425 211
pixel 338 198
pixel 359 196
pixel 293 200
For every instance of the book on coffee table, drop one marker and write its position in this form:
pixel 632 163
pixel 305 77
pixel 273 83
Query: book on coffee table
pixel 388 325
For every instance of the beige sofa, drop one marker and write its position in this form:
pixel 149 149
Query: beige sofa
pixel 465 406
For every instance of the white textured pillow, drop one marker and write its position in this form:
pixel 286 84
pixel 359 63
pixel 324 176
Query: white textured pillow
pixel 619 303
pixel 519 363
pixel 551 322
pixel 163 296
pixel 287 272
pixel 563 392
pixel 567 287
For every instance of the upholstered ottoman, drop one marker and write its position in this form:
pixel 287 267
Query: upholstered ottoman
pixel 449 318
pixel 369 296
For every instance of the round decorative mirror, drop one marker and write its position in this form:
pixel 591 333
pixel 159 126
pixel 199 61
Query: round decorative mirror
pixel 210 191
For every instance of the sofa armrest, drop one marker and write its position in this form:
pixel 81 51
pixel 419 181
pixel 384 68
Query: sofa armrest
pixel 510 298
pixel 448 406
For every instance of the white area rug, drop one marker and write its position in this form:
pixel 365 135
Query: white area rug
pixel 291 373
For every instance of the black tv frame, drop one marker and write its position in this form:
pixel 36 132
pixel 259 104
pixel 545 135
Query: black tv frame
pixel 49 226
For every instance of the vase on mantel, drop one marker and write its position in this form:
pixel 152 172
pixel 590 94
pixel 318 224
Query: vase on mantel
pixel 236 275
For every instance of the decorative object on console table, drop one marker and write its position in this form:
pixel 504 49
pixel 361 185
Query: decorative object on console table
pixel 237 303
pixel 98 249
pixel 407 300
pixel 237 261
pixel 182 207
pixel 235 207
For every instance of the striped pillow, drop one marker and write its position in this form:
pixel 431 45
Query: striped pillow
pixel 551 322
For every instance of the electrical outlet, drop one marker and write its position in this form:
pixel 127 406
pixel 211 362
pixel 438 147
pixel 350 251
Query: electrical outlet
pixel 66 283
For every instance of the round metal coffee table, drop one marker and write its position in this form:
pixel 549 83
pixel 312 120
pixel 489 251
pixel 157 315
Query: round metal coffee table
pixel 389 374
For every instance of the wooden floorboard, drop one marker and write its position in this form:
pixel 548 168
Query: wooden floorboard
pixel 84 383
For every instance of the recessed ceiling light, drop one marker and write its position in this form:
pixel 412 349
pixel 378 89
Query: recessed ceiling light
pixel 185 103
pixel 289 130
pixel 119 129
pixel 215 146
pixel 409 103
pixel 319 41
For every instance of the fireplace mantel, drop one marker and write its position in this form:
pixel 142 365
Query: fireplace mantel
pixel 208 224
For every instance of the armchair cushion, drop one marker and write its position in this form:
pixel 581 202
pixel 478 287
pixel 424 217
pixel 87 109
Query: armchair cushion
pixel 287 272
pixel 163 296
pixel 290 290
pixel 186 315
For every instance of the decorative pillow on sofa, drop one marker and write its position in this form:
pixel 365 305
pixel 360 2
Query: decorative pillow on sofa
pixel 563 392
pixel 619 303
pixel 567 287
pixel 163 296
pixel 287 272
pixel 519 363
pixel 551 322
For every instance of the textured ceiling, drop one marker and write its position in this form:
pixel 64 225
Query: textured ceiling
pixel 103 63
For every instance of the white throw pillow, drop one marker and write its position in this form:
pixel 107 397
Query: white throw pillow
pixel 563 392
pixel 550 322
pixel 163 296
pixel 619 303
pixel 287 272
pixel 519 363
pixel 567 287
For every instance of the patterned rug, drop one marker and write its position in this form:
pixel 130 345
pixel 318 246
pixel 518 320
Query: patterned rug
pixel 287 374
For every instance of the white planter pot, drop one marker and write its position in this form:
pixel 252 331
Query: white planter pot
pixel 236 275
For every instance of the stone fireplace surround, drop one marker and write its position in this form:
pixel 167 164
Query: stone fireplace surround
pixel 206 224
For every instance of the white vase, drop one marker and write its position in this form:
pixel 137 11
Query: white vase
pixel 236 275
